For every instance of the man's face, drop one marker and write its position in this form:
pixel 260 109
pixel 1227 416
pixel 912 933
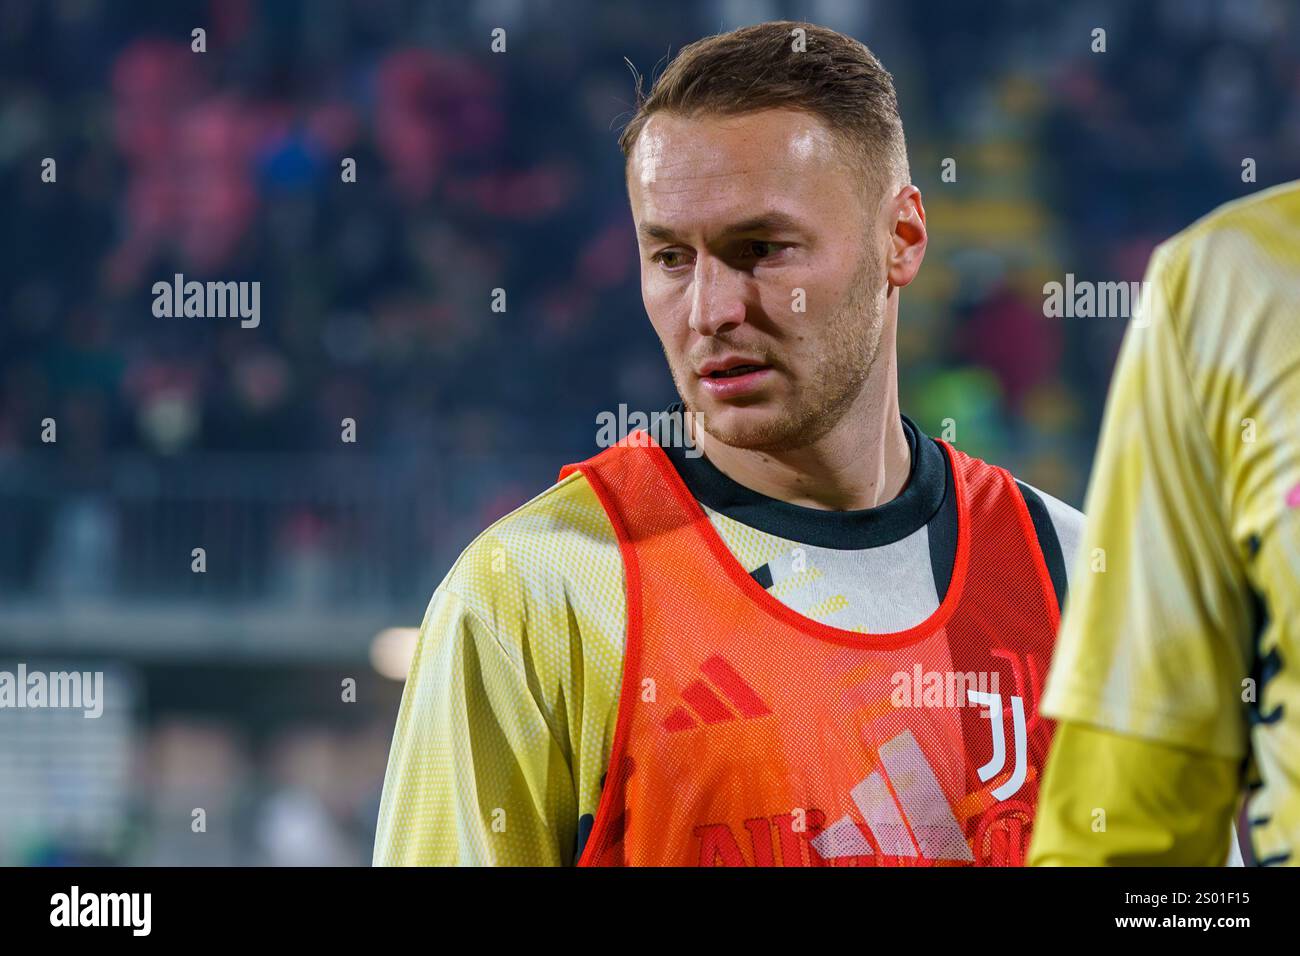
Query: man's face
pixel 763 271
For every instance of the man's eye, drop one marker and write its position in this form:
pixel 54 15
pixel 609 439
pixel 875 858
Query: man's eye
pixel 761 249
pixel 668 258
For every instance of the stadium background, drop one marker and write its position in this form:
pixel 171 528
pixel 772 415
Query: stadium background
pixel 475 171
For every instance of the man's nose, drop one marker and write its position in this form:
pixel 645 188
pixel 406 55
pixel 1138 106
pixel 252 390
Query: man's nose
pixel 718 299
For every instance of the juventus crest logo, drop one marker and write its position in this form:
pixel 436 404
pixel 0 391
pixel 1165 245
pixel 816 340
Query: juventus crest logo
pixel 999 759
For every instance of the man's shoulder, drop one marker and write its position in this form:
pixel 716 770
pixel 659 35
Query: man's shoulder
pixel 1067 521
pixel 1198 269
pixel 1261 218
pixel 555 549
pixel 1064 520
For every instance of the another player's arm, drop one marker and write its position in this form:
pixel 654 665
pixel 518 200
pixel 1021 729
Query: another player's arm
pixel 475 776
pixel 1162 805
pixel 1146 678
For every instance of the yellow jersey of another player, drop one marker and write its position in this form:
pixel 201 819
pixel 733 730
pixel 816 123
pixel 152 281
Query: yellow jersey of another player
pixel 1179 653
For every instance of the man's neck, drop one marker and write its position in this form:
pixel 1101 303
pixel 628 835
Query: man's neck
pixel 863 462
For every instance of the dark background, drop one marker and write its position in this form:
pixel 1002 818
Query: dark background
pixel 476 171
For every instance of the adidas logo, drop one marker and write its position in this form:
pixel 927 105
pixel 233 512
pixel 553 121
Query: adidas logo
pixel 708 700
pixel 904 809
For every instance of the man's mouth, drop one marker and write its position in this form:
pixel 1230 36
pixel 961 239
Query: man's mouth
pixel 733 376
pixel 728 366
pixel 735 370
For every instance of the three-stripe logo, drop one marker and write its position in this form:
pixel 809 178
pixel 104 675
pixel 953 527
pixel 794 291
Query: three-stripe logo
pixel 708 700
pixel 903 806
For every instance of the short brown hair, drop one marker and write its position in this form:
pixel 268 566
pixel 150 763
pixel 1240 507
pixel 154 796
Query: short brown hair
pixel 833 76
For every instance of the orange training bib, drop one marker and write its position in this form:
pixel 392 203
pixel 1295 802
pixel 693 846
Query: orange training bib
pixel 749 735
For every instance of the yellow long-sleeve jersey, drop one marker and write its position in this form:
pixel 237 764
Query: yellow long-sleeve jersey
pixel 1178 662
pixel 530 725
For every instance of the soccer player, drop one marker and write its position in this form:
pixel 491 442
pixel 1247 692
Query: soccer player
pixel 819 642
pixel 1175 680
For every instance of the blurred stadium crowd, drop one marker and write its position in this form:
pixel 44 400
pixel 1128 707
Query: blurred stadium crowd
pixel 475 171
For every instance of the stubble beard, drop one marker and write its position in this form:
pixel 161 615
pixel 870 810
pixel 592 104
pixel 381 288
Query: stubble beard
pixel 849 348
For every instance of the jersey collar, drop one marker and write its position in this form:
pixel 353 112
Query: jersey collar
pixel 905 514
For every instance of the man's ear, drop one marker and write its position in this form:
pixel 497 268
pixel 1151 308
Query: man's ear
pixel 908 239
